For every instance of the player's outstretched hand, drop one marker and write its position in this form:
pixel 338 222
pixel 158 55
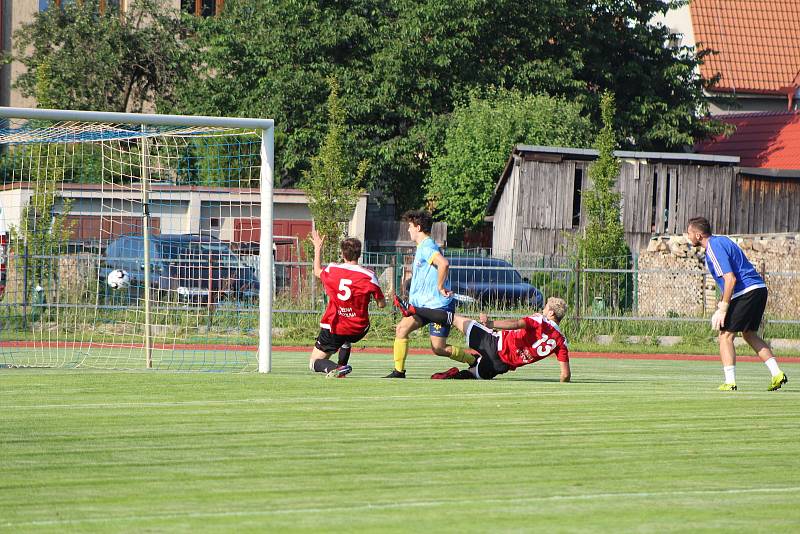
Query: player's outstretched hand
pixel 317 239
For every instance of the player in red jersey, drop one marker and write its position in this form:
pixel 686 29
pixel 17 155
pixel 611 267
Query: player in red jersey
pixel 520 341
pixel 349 287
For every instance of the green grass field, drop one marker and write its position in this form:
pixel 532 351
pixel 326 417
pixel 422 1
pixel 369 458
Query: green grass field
pixel 645 446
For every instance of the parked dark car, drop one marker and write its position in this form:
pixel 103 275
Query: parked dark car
pixel 491 281
pixel 184 265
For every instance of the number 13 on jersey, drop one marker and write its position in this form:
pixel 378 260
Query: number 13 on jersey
pixel 544 345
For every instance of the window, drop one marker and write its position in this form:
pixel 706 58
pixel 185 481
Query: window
pixel 102 5
pixel 576 197
pixel 202 8
pixel 654 201
pixel 477 273
pixel 666 206
pixel 675 40
pixel 197 253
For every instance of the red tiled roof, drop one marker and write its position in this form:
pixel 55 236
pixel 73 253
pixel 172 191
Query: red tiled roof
pixel 758 43
pixel 768 140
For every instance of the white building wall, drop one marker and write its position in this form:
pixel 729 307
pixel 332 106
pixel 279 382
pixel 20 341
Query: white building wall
pixel 15 14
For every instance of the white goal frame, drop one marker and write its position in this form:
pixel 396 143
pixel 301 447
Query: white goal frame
pixel 267 128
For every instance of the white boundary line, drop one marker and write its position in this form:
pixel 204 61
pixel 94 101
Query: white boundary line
pixel 403 505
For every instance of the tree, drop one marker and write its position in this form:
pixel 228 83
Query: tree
pixel 602 244
pixel 404 65
pixel 478 140
pixel 272 59
pixel 79 58
pixel 658 89
pixel 332 190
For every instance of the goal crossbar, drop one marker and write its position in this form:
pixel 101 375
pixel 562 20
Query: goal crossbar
pixel 135 118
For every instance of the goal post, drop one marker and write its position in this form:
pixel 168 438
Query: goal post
pixel 183 204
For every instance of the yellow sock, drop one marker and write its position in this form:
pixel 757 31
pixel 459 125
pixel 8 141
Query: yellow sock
pixel 400 353
pixel 460 354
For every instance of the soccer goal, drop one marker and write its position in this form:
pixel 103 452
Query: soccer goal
pixel 135 241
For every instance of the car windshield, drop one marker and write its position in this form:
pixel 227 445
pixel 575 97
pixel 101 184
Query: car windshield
pixel 198 252
pixel 476 273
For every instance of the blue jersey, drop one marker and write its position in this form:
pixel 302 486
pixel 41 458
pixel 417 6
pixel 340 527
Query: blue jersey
pixel 724 256
pixel 425 278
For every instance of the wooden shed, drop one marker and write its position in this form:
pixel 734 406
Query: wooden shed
pixel 538 201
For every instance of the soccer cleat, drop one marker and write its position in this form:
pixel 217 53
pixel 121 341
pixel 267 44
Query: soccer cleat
pixel 396 374
pixel 340 372
pixel 777 381
pixel 444 375
pixel 406 309
pixel 727 387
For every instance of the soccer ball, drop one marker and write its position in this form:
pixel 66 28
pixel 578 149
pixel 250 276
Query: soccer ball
pixel 118 279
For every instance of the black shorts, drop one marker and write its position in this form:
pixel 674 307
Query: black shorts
pixel 436 329
pixel 485 341
pixel 330 343
pixel 746 311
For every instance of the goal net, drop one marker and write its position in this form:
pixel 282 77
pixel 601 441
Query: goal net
pixel 135 241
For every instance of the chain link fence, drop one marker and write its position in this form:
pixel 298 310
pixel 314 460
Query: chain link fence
pixel 514 285
pixel 502 287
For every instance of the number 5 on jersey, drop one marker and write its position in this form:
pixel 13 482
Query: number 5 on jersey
pixel 344 289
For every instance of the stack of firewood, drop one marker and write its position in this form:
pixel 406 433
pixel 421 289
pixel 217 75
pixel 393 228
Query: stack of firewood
pixel 672 279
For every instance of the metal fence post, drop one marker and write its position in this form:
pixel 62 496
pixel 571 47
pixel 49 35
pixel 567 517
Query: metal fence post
pixel 635 267
pixel 398 272
pixel 763 273
pixel 25 287
pixel 578 290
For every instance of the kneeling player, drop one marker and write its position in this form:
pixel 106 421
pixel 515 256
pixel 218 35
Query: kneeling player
pixel 346 319
pixel 519 341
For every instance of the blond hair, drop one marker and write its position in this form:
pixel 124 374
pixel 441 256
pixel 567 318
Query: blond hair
pixel 558 306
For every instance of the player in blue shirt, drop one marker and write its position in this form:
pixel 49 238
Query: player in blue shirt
pixel 744 298
pixel 430 288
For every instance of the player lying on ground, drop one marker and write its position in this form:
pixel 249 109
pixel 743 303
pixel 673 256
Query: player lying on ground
pixel 519 342
pixel 349 287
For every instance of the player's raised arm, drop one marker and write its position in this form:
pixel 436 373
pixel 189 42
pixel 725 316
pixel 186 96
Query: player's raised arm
pixel 318 241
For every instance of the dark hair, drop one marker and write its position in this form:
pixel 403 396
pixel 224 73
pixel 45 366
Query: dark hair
pixel 700 224
pixel 351 249
pixel 420 218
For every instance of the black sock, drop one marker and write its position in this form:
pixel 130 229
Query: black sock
pixel 437 316
pixel 344 354
pixel 324 366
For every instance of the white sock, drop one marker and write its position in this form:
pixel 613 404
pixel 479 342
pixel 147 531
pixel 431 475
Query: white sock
pixel 772 365
pixel 730 374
